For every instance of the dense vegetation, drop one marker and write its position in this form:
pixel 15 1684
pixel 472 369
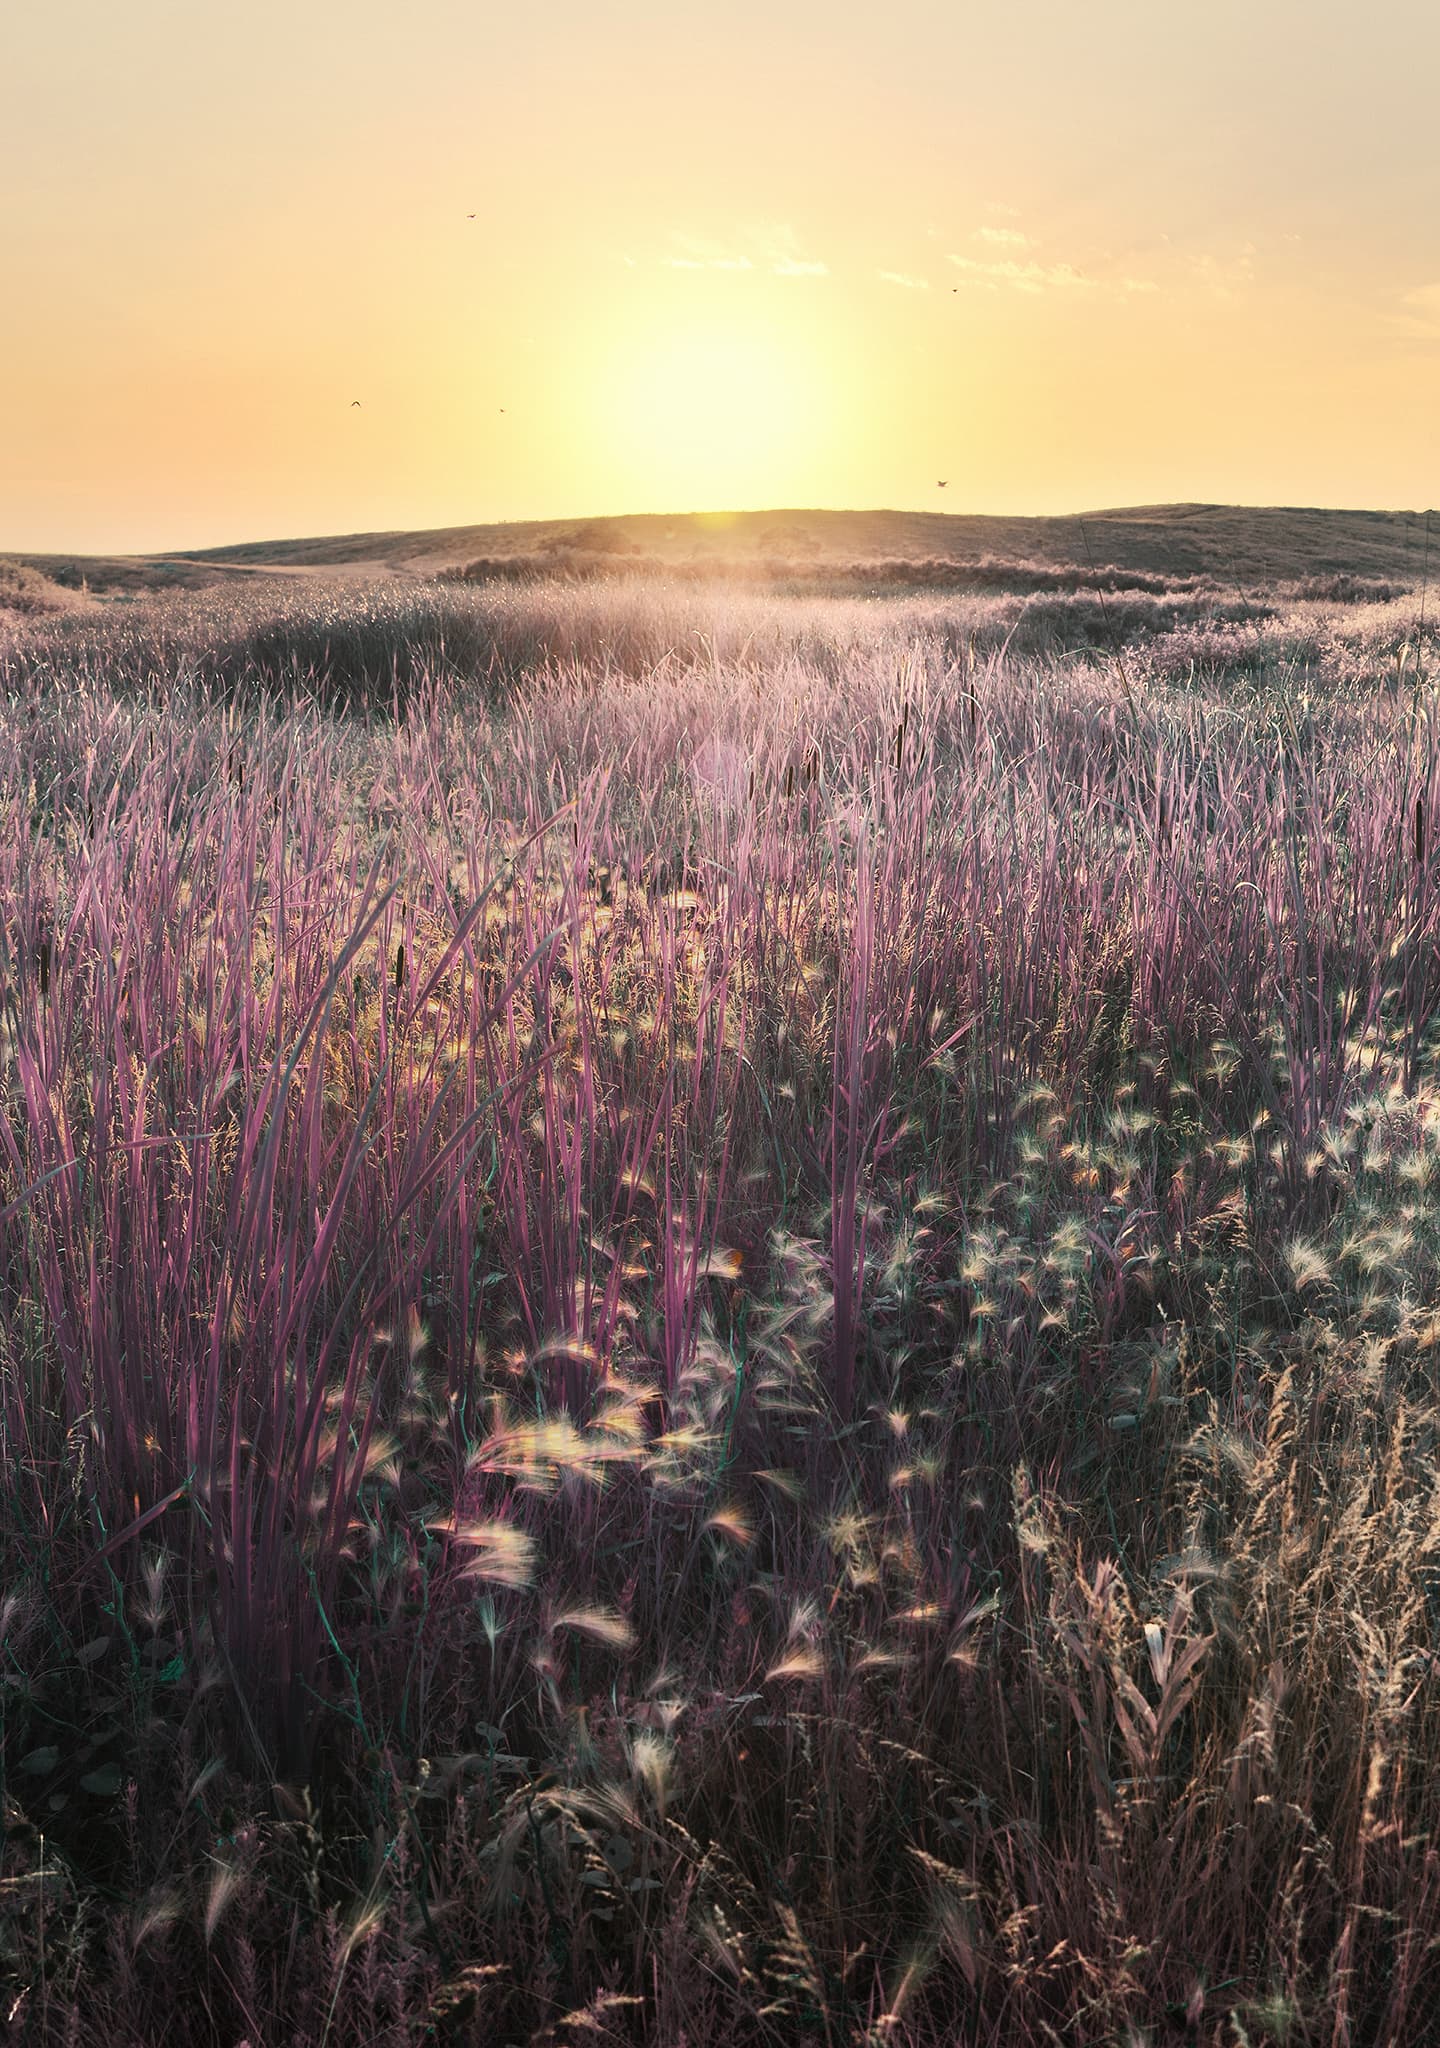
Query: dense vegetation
pixel 718 1317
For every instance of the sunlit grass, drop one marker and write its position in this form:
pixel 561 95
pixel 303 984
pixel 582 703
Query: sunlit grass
pixel 717 1320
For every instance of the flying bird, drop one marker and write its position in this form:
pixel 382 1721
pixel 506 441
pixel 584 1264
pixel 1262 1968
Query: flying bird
pixel 941 483
pixel 469 216
pixel 353 403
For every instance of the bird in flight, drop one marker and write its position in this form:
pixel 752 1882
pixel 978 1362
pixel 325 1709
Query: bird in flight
pixel 469 216
pixel 941 483
pixel 353 403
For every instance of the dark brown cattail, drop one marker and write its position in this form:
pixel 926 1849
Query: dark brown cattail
pixel 399 968
pixel 789 778
pixel 1419 831
pixel 900 737
pixel 752 785
pixel 44 967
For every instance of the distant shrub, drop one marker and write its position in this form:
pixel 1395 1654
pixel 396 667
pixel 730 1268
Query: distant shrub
pixel 1348 589
pixel 786 541
pixel 597 539
pixel 28 594
pixel 498 569
pixel 994 573
pixel 594 553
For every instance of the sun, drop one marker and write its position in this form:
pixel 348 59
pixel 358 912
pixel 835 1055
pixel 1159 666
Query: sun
pixel 710 414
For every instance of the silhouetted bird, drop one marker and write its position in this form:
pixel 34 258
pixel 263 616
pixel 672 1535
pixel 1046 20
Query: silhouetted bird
pixel 353 403
pixel 941 483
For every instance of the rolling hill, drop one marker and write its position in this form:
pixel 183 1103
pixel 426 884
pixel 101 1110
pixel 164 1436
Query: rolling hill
pixel 1226 543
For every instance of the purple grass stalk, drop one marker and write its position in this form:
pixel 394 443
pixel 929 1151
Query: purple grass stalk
pixel 847 1116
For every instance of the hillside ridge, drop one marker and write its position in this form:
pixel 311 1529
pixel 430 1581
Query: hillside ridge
pixel 1229 543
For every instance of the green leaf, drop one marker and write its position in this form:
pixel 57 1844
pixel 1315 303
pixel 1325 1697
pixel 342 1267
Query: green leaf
pixel 105 1782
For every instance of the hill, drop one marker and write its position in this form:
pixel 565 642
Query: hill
pixel 1225 543
pixel 1212 540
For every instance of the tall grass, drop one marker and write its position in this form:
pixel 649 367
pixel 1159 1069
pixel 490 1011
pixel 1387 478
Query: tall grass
pixel 717 1316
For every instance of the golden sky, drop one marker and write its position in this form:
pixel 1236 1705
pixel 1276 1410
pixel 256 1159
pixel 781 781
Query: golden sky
pixel 765 253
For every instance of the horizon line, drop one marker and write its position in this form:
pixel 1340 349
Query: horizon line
pixel 1157 508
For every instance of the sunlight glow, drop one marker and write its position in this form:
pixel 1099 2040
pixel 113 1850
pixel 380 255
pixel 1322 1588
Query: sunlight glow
pixel 710 415
pixel 758 257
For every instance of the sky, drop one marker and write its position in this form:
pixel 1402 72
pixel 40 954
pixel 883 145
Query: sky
pixel 647 255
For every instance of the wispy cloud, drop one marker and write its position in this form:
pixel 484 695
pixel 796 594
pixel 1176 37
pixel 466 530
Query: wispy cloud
pixel 1029 275
pixel 1419 315
pixel 773 246
pixel 697 252
pixel 903 278
pixel 1007 272
pixel 1225 273
pixel 781 249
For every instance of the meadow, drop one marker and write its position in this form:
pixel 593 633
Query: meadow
pixel 719 1310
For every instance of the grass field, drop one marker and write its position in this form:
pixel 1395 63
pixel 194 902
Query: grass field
pixel 719 1300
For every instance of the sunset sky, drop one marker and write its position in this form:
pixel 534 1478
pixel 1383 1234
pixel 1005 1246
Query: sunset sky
pixel 773 253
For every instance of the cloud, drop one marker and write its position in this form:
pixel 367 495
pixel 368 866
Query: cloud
pixel 1419 319
pixel 772 246
pixel 1012 273
pixel 707 263
pixel 900 277
pixel 1004 238
pixel 780 248
pixel 1225 273
pixel 1023 277
pixel 696 252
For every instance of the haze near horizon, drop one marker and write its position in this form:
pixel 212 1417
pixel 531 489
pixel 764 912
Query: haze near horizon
pixel 647 261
